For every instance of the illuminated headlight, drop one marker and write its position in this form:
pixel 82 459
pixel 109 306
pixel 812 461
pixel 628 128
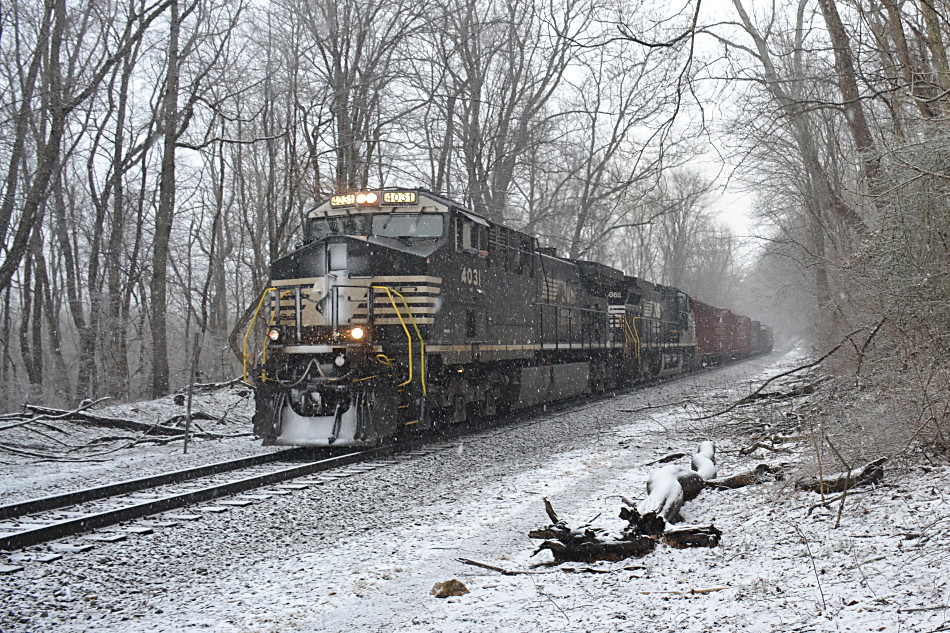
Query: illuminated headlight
pixel 274 334
pixel 357 333
pixel 366 198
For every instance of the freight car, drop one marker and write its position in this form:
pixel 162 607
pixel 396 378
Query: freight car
pixel 403 309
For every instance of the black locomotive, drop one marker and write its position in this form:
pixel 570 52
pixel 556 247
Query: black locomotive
pixel 404 309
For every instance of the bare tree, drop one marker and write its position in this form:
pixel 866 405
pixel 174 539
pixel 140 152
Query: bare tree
pixel 504 62
pixel 68 81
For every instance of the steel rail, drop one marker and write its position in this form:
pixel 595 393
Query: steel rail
pixel 88 522
pixel 54 502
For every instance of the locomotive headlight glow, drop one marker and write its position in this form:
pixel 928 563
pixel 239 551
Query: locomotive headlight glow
pixel 274 334
pixel 357 333
pixel 350 199
pixel 366 198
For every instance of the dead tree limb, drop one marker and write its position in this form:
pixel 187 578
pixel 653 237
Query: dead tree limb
pixel 802 390
pixel 103 421
pixel 54 414
pixel 830 501
pixel 759 474
pixel 868 474
pixel 815 363
pixel 692 536
pixel 500 570
pixel 549 509
pixel 670 457
pixel 591 551
pixel 756 446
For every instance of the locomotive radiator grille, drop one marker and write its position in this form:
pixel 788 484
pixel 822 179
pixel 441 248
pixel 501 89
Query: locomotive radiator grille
pixel 420 293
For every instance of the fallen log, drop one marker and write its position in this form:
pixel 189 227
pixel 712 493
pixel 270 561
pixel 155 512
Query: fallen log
pixel 704 460
pixel 103 421
pixel 587 544
pixel 692 536
pixel 866 475
pixel 759 474
pixel 667 488
pixel 588 552
pixel 671 486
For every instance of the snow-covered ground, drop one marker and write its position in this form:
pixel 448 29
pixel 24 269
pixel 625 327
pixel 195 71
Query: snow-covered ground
pixel 362 553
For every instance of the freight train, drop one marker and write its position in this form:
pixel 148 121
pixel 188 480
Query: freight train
pixel 404 310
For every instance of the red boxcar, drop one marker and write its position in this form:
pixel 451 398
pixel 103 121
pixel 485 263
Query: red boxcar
pixel 722 335
pixel 741 336
pixel 704 315
pixel 756 342
pixel 713 332
pixel 724 331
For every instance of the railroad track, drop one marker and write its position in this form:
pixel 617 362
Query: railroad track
pixel 46 519
pixel 49 518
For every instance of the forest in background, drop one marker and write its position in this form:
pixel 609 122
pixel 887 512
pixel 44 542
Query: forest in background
pixel 157 155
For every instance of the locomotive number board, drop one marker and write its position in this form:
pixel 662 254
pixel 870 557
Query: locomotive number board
pixel 371 198
pixel 399 197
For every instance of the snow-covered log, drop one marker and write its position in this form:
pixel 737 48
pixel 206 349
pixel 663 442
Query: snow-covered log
pixel 670 486
pixel 866 475
pixel 704 460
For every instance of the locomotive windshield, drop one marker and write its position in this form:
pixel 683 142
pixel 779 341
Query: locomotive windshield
pixel 319 228
pixel 398 225
pixel 401 225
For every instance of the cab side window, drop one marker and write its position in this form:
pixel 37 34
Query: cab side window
pixel 470 237
pixel 463 234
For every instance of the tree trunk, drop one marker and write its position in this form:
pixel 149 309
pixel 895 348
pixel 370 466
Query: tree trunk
pixel 49 152
pixel 908 69
pixel 165 213
pixel 851 96
pixel 936 45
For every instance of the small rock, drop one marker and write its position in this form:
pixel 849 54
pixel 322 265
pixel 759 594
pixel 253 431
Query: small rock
pixel 449 588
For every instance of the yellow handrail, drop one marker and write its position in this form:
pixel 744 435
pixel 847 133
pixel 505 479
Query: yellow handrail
pixel 250 327
pixel 422 346
pixel 402 322
pixel 636 337
pixel 627 333
pixel 422 343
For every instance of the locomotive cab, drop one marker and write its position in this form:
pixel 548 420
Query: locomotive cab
pixel 344 361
